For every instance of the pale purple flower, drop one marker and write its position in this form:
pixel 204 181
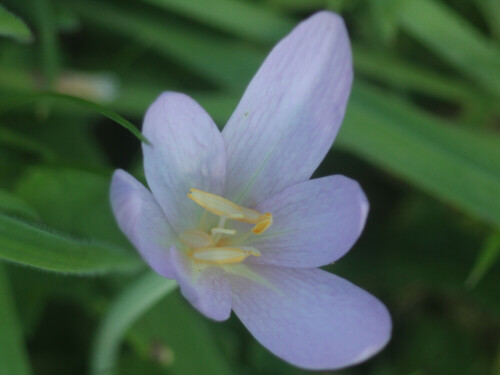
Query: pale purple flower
pixel 257 252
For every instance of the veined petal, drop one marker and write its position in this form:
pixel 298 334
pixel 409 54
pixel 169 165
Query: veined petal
pixel 187 152
pixel 314 223
pixel 207 289
pixel 311 318
pixel 291 111
pixel 142 221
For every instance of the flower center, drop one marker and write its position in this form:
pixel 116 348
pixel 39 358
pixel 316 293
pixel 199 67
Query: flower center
pixel 221 246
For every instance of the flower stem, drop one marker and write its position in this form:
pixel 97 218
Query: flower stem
pixel 125 310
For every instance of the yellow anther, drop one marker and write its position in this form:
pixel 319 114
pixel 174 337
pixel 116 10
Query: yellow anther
pixel 250 216
pixel 215 204
pixel 227 209
pixel 261 221
pixel 230 232
pixel 264 222
pixel 223 255
pixel 196 239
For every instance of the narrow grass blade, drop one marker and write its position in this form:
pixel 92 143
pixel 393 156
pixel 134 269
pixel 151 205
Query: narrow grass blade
pixel 487 257
pixel 452 38
pixel 223 61
pixel 251 21
pixel 50 55
pixel 7 103
pixel 13 357
pixel 451 163
pixel 124 311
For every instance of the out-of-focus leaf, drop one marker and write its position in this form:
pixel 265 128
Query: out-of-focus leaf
pixel 20 141
pixel 32 245
pixel 134 100
pixel 72 201
pixel 13 205
pixel 124 311
pixel 486 259
pixel 248 20
pixel 452 163
pixel 438 249
pixel 385 17
pixel 48 40
pixel 491 12
pixel 294 5
pixel 13 358
pixel 15 81
pixel 182 334
pixel 222 60
pixel 12 26
pixel 7 103
pixel 390 69
pixel 452 38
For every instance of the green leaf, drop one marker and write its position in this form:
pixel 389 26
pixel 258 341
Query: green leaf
pixel 12 26
pixel 25 143
pixel 31 245
pixel 135 99
pixel 453 39
pixel 12 204
pixel 72 201
pixel 48 41
pixel 491 12
pixel 399 73
pixel 10 102
pixel 485 260
pixel 307 5
pixel 13 358
pixel 125 310
pixel 243 19
pixel 385 18
pixel 221 60
pixel 451 163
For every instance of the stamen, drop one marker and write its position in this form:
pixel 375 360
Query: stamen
pixel 196 239
pixel 250 216
pixel 215 204
pixel 230 232
pixel 223 255
pixel 264 222
pixel 227 209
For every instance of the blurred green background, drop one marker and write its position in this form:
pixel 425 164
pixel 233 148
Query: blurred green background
pixel 421 136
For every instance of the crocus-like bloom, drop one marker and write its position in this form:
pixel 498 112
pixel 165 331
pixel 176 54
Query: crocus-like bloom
pixel 234 218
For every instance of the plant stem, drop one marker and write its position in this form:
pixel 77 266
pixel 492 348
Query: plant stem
pixel 125 310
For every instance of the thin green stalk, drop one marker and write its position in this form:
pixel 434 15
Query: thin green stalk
pixel 125 310
pixel 48 40
pixel 10 102
pixel 13 357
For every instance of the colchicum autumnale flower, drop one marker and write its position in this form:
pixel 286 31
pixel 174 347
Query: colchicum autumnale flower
pixel 234 218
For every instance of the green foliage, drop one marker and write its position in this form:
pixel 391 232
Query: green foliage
pixel 12 102
pixel 420 134
pixel 450 162
pixel 128 307
pixel 454 40
pixel 36 246
pixel 13 357
pixel 171 332
pixel 486 260
pixel 12 26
